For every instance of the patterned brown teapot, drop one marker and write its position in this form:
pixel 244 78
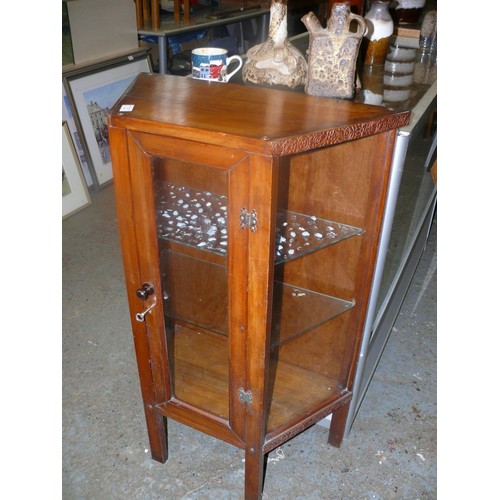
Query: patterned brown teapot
pixel 333 52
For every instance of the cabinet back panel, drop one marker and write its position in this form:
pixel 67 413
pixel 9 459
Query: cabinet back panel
pixel 194 175
pixel 334 182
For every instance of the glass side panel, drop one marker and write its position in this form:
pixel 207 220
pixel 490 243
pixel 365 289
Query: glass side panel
pixel 315 317
pixel 194 281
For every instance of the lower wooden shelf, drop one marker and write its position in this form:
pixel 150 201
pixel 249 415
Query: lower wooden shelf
pixel 201 378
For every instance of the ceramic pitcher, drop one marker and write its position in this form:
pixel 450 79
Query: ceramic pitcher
pixel 333 52
pixel 276 62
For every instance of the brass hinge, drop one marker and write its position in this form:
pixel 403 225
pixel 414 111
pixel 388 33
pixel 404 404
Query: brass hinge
pixel 245 396
pixel 248 219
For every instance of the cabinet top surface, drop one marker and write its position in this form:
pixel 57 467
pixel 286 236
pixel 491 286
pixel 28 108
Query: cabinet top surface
pixel 253 118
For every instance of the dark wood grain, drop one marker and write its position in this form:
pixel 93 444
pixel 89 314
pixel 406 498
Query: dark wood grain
pixel 218 350
pixel 250 118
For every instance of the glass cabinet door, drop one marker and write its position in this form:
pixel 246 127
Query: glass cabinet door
pixel 196 192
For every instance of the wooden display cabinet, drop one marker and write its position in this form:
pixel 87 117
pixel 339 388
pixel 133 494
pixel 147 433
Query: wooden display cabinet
pixel 249 222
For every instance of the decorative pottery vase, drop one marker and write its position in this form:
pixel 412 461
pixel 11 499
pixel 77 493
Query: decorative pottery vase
pixel 407 11
pixel 333 52
pixel 399 72
pixel 379 28
pixel 276 62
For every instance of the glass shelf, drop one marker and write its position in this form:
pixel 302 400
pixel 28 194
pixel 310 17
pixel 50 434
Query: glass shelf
pixel 299 234
pixel 199 219
pixel 195 218
pixel 198 294
pixel 315 309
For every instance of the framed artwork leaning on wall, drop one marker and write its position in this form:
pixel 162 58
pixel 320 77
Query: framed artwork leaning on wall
pixel 75 194
pixel 92 92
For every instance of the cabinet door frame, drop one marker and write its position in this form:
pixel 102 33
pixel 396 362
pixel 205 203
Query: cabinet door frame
pixel 155 422
pixel 142 149
pixel 262 198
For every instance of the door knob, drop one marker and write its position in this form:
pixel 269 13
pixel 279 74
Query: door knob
pixel 145 291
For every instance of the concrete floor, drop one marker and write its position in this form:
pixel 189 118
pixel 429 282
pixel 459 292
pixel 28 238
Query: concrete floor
pixel 389 454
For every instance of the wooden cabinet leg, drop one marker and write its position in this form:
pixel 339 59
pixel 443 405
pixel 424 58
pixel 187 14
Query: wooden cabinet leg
pixel 157 432
pixel 337 426
pixel 254 474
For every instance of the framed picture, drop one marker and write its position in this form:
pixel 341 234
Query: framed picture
pixel 67 116
pixel 92 92
pixel 75 195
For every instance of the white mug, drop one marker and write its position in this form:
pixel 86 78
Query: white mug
pixel 211 63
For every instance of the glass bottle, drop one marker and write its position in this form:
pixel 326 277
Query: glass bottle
pixel 428 32
pixel 379 28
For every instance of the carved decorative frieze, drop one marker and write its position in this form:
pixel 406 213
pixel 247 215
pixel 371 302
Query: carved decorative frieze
pixel 306 142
